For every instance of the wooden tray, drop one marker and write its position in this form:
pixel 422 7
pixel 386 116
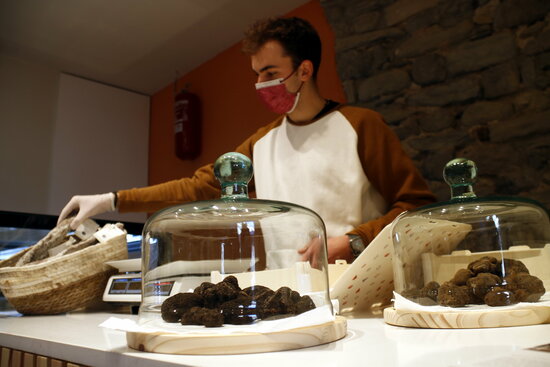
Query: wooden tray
pixel 468 319
pixel 171 343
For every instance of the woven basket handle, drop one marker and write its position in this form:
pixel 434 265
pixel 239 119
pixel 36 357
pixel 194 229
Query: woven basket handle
pixel 54 238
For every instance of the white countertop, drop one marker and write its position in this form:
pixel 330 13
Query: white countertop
pixel 76 337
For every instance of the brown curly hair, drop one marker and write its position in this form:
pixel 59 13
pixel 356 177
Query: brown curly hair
pixel 297 36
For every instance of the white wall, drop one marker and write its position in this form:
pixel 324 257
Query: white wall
pixel 28 97
pixel 100 142
pixel 61 135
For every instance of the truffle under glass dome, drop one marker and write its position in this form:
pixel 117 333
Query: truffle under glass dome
pixel 472 252
pixel 205 248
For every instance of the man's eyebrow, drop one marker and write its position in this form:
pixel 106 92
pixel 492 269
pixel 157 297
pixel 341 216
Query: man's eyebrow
pixel 263 69
pixel 267 67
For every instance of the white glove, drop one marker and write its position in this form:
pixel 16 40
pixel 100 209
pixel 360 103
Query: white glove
pixel 87 206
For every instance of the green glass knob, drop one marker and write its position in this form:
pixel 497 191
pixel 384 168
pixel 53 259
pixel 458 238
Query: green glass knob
pixel 460 174
pixel 234 171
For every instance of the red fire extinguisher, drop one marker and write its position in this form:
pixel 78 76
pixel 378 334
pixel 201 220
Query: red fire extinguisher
pixel 187 127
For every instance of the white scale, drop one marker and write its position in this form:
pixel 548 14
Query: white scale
pixel 126 286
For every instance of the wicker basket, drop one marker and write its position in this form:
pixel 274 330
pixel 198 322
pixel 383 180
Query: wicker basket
pixel 50 285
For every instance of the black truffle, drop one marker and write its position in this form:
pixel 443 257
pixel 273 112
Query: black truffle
pixel 202 288
pixel 483 283
pixel 283 301
pixel 231 279
pixel 222 292
pixel 450 294
pixel 174 307
pixel 462 276
pixel 499 296
pixel 528 288
pixel 304 304
pixel 215 304
pixel 259 292
pixel 485 264
pixel 508 267
pixel 209 317
pixel 430 290
pixel 240 311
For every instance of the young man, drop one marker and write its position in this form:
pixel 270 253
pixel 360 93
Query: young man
pixel 342 162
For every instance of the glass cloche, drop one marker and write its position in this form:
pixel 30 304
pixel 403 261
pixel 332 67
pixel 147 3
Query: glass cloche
pixel 472 252
pixel 234 260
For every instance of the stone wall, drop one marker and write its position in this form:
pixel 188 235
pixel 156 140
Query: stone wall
pixel 455 78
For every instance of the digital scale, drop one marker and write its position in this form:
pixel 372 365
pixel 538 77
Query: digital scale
pixel 124 287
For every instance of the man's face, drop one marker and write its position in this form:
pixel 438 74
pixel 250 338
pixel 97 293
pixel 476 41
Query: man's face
pixel 270 62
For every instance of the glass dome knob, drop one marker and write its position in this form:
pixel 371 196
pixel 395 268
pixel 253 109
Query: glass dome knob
pixel 234 171
pixel 460 174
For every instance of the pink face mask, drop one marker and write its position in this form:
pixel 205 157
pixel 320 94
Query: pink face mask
pixel 274 95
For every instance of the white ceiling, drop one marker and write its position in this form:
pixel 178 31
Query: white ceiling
pixel 133 44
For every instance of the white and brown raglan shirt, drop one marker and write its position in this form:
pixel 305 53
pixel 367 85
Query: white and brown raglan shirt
pixel 346 165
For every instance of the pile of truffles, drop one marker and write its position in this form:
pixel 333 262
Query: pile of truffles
pixel 485 281
pixel 213 305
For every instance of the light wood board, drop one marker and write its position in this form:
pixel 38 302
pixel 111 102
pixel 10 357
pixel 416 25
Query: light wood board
pixel 468 319
pixel 203 344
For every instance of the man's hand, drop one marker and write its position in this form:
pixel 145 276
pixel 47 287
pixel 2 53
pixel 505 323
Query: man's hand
pixel 310 252
pixel 338 249
pixel 87 206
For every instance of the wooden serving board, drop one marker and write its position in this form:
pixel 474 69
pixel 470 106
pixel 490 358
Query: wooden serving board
pixel 171 343
pixel 468 319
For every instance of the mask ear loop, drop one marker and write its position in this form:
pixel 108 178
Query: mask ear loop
pixel 297 93
pixel 289 75
pixel 299 88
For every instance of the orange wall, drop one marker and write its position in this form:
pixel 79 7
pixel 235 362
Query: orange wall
pixel 230 109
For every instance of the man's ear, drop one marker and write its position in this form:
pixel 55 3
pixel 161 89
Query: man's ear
pixel 305 72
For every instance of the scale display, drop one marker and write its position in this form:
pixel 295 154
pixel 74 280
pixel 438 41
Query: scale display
pixel 159 288
pixel 126 286
pixel 123 288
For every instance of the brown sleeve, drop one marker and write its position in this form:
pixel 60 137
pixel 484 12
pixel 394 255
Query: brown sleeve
pixel 387 167
pixel 203 185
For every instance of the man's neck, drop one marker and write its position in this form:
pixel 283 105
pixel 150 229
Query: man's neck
pixel 309 105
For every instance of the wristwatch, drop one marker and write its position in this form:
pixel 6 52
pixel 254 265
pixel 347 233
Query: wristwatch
pixel 356 244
